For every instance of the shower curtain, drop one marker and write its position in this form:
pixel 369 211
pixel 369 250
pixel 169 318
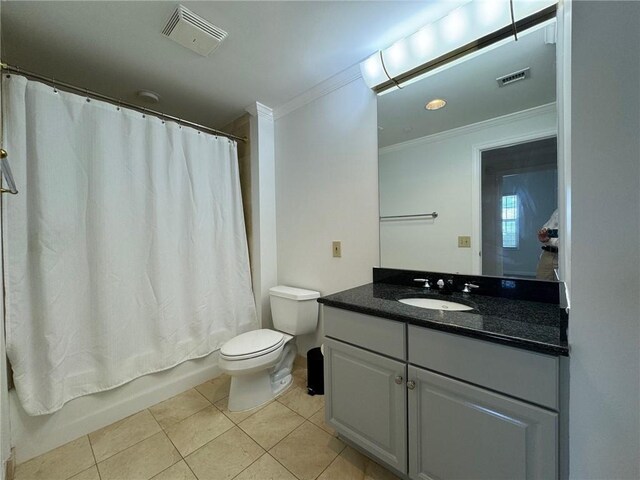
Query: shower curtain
pixel 125 251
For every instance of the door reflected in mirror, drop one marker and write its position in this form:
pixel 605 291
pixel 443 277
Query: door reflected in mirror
pixel 485 163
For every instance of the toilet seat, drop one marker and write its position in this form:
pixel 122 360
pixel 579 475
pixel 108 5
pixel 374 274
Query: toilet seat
pixel 252 344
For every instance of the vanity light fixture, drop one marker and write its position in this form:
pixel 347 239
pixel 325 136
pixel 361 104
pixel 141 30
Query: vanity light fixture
pixel 465 30
pixel 435 104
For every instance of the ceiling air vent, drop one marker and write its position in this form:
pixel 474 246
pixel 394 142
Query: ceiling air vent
pixel 513 77
pixel 193 32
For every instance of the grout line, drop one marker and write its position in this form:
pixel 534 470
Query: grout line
pixel 331 463
pixel 284 466
pixel 131 446
pixel 174 446
pixel 175 463
pixel 183 458
pixel 240 472
pixel 190 469
pixel 262 407
pixel 95 460
pixel 306 418
pixel 127 448
pixel 283 438
pixel 185 418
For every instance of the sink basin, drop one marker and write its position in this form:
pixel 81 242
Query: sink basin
pixel 435 304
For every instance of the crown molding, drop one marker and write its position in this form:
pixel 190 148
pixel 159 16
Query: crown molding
pixel 474 127
pixel 258 109
pixel 320 90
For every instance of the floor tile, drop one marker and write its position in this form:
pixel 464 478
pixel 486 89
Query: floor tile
pixel 237 417
pixel 89 474
pixel 318 419
pixel 224 457
pixel 178 408
pixel 121 435
pixel 307 451
pixel 271 424
pixel 179 471
pixel 300 379
pixel 198 429
pixel 300 363
pixel 300 402
pixel 266 468
pixel 141 461
pixel 352 465
pixel 215 389
pixel 59 464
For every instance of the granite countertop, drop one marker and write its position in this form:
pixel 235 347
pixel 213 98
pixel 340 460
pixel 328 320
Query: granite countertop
pixel 523 324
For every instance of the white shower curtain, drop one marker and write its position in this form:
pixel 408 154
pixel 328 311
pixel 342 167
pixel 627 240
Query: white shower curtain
pixel 125 250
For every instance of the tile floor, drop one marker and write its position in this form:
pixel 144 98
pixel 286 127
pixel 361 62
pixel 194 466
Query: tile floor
pixel 193 436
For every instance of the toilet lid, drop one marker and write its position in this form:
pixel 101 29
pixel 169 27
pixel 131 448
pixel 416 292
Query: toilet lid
pixel 252 344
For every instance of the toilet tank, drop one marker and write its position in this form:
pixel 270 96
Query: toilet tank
pixel 294 310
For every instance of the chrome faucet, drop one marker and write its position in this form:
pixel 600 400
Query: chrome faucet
pixel 425 280
pixel 469 286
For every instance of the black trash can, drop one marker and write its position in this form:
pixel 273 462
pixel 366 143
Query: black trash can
pixel 315 372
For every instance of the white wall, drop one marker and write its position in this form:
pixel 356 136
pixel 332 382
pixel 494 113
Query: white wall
pixel 327 189
pixel 5 427
pixel 604 326
pixel 436 173
pixel 263 209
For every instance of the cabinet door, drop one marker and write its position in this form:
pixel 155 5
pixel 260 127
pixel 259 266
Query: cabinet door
pixel 365 401
pixel 458 431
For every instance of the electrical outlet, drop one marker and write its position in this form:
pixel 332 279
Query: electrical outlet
pixel 337 249
pixel 464 242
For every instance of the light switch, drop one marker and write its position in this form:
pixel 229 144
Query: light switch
pixel 337 249
pixel 464 242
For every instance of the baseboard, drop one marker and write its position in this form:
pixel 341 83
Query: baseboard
pixel 32 436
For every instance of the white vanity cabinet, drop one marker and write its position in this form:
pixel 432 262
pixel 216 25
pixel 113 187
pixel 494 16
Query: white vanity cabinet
pixel 440 406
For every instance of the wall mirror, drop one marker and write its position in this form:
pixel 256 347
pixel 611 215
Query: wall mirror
pixel 465 188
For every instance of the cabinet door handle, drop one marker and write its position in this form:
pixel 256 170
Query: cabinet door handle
pixel 399 380
pixel 411 384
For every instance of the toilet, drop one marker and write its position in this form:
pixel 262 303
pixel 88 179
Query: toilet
pixel 260 362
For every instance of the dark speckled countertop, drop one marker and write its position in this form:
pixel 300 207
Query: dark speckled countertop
pixel 523 324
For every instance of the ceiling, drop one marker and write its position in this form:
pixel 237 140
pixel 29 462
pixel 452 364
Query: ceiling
pixel 471 91
pixel 275 51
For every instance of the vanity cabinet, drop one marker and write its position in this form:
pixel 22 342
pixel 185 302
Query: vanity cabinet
pixel 439 406
pixel 368 401
pixel 460 431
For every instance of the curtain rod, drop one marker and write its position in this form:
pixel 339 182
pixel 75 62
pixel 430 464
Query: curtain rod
pixel 99 96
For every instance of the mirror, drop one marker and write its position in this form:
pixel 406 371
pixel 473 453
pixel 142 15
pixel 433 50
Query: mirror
pixel 466 188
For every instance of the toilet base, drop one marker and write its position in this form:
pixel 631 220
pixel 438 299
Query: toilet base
pixel 252 390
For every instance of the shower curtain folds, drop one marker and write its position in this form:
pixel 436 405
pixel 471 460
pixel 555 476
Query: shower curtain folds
pixel 125 252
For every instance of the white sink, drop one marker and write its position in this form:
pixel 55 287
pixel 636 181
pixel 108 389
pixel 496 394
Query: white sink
pixel 435 304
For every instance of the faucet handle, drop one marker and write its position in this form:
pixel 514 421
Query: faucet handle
pixel 425 280
pixel 440 283
pixel 469 286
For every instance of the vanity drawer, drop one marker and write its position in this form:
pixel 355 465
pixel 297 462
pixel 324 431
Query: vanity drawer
pixel 373 333
pixel 519 373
